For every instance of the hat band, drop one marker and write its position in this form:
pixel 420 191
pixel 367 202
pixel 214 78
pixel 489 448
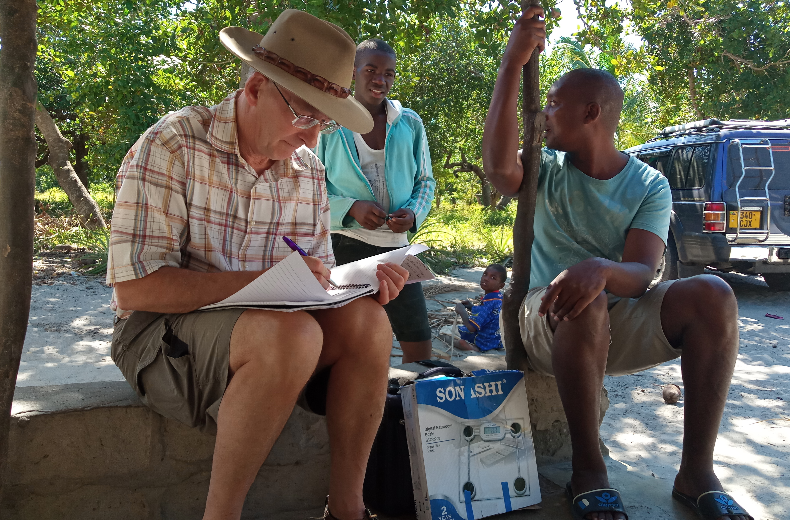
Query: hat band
pixel 300 73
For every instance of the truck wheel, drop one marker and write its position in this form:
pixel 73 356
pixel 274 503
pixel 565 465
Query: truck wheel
pixel 777 281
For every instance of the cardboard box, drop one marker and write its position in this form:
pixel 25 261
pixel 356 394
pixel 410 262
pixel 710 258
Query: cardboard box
pixel 470 445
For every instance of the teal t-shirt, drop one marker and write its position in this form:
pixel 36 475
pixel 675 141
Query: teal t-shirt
pixel 578 217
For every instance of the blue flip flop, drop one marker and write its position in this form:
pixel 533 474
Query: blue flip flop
pixel 595 501
pixel 711 504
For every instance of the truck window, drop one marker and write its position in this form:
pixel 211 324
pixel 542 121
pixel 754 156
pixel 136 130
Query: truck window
pixel 689 167
pixel 756 179
pixel 659 161
pixel 698 167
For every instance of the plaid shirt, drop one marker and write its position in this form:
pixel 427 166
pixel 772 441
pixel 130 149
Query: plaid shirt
pixel 186 198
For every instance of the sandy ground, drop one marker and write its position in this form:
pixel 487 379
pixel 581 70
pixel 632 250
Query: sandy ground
pixel 70 328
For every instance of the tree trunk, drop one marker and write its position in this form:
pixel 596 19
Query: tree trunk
pixel 485 186
pixel 523 232
pixel 17 188
pixel 59 146
pixel 693 95
pixel 466 166
pixel 503 202
pixel 80 164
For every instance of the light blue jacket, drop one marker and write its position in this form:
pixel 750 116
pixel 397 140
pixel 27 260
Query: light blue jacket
pixel 407 169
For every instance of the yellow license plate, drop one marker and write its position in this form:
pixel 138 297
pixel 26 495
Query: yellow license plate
pixel 749 219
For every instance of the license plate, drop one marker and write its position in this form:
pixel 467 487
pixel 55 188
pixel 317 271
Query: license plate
pixel 749 219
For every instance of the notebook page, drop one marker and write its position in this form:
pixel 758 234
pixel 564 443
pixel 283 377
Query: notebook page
pixel 290 284
pixel 418 271
pixel 364 271
pixel 290 280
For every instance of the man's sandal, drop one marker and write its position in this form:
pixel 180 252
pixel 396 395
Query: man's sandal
pixel 595 501
pixel 367 515
pixel 711 504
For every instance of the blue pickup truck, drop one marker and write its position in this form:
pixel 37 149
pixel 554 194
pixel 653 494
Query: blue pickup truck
pixel 730 184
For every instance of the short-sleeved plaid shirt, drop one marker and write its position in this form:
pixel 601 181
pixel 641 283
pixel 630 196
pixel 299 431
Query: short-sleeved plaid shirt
pixel 186 198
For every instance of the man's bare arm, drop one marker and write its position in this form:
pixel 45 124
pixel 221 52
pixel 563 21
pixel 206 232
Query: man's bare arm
pixel 641 256
pixel 176 290
pixel 500 134
pixel 576 287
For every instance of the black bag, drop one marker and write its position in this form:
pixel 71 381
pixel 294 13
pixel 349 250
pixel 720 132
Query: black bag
pixel 388 487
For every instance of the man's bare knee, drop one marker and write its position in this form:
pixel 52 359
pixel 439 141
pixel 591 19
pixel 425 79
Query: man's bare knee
pixel 704 297
pixel 587 333
pixel 367 325
pixel 286 342
pixel 596 312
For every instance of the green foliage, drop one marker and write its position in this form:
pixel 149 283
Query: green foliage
pixel 467 234
pixel 448 81
pixel 110 56
pixel 45 179
pixel 108 69
pixel 55 203
pixel 701 58
pixel 98 245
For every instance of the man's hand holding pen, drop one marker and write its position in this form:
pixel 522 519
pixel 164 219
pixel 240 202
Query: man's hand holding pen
pixel 392 277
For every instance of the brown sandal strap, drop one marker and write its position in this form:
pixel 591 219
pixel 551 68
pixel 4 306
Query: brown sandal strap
pixel 328 516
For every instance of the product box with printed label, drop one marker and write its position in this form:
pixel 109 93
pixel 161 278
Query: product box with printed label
pixel 470 445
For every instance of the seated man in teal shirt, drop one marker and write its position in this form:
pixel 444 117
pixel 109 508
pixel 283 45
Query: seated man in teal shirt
pixel 601 226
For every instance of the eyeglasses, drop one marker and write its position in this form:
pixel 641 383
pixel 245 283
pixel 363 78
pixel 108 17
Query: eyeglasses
pixel 305 122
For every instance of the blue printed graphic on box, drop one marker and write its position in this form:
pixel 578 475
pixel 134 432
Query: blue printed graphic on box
pixel 468 398
pixel 444 509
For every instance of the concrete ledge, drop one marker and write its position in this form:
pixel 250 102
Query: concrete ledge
pixel 93 451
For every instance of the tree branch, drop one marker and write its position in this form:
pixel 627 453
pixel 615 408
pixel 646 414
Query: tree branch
pixel 59 147
pixel 751 65
pixel 466 166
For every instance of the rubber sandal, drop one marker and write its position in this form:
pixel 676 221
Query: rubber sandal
pixel 328 516
pixel 711 504
pixel 595 501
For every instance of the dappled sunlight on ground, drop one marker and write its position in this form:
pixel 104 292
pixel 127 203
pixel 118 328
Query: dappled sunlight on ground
pixel 69 334
pixel 752 456
pixel 70 329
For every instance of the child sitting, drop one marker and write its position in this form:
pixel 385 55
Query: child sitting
pixel 480 331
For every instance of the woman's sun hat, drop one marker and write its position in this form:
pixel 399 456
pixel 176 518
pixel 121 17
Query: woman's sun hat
pixel 312 58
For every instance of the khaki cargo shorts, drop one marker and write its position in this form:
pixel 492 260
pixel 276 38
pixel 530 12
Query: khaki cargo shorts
pixel 177 363
pixel 637 338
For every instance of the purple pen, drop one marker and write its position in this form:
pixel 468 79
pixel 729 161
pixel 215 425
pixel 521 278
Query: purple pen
pixel 295 247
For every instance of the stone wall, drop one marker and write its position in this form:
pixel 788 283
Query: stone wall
pixel 93 451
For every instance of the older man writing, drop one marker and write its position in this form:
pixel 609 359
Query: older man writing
pixel 204 197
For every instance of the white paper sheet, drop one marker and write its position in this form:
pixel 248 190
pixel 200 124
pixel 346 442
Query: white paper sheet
pixel 290 285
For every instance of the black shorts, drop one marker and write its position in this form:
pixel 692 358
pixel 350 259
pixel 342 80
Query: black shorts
pixel 407 313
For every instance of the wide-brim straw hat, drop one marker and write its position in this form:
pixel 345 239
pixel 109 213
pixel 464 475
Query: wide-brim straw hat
pixel 312 58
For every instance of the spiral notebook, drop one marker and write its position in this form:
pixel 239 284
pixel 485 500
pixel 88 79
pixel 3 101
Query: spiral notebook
pixel 291 286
